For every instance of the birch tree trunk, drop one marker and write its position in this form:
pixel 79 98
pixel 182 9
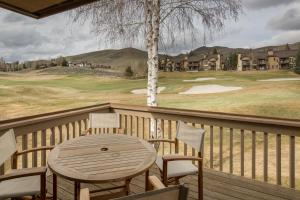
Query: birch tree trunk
pixel 152 23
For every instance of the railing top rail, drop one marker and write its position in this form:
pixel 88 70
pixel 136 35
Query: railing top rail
pixel 21 121
pixel 213 115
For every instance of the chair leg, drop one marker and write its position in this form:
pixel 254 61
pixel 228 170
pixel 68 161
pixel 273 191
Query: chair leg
pixel 165 173
pixel 200 181
pixel 54 187
pixel 43 186
pixel 147 180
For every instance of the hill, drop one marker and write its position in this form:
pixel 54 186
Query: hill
pixel 119 60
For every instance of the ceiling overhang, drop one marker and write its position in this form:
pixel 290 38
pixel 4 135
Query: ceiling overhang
pixel 42 8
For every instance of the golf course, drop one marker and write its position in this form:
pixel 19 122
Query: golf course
pixel 257 93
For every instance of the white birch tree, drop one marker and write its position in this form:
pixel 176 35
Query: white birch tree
pixel 152 21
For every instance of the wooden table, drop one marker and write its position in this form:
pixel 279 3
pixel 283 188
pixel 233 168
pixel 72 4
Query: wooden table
pixel 101 159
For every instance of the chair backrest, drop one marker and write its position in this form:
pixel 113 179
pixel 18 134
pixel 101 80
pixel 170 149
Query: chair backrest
pixel 8 145
pixel 104 120
pixel 190 135
pixel 178 192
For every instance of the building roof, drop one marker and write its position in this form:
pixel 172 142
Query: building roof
pixel 42 8
pixel 286 53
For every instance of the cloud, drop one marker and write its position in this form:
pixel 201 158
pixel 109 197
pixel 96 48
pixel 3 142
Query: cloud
pixel 23 38
pixel 290 20
pixel 262 4
pixel 281 38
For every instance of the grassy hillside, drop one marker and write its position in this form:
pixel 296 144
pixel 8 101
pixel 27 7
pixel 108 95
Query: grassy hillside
pixel 118 59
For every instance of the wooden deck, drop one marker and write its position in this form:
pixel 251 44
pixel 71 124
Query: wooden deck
pixel 217 186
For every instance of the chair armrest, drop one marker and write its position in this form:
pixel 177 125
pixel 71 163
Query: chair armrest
pixel 161 140
pixel 35 149
pixel 86 132
pixel 180 157
pixel 84 194
pixel 24 173
pixel 156 183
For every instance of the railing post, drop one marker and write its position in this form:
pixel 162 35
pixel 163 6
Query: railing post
pixel 253 154
pixel 211 161
pixel 278 159
pixel 266 160
pixel 292 162
pixel 34 145
pixel 24 147
pixel 242 152
pixel 231 151
pixel 221 149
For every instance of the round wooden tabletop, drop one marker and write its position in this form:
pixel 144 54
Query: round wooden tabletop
pixel 101 158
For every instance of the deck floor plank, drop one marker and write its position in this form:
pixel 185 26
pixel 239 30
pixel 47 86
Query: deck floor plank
pixel 217 186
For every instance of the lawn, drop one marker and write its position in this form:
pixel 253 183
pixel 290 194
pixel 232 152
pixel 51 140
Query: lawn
pixel 31 93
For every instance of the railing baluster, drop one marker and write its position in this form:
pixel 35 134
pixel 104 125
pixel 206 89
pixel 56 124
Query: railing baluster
pixel 74 130
pixel 125 124
pixel 24 147
pixel 137 126
pixel 43 143
pixel 211 147
pixel 2 169
pixel 79 127
pixel 278 159
pixel 162 123
pixel 52 137
pixel 34 145
pixel 203 149
pixel 170 134
pixel 221 150
pixel 149 128
pixel 85 121
pixel 60 134
pixel 231 151
pixel 68 130
pixel 131 124
pixel 242 153
pixel 266 159
pixel 292 162
pixel 253 154
pixel 193 150
pixel 143 127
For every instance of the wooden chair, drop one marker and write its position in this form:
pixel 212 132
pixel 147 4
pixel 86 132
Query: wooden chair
pixel 22 182
pixel 160 192
pixel 103 120
pixel 173 167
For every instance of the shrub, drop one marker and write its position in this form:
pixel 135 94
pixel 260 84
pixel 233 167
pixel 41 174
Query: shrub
pixel 128 72
pixel 297 70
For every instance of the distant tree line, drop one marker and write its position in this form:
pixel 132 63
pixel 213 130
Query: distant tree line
pixel 37 64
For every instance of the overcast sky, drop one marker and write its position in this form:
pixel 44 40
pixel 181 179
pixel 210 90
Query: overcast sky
pixel 264 22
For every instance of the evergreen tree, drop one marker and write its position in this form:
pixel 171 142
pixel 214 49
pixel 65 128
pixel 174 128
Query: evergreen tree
pixel 215 51
pixel 298 59
pixel 287 47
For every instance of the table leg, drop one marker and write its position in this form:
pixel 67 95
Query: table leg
pixel 127 185
pixel 54 187
pixel 147 180
pixel 76 190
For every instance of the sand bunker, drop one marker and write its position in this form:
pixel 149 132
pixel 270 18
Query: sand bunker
pixel 281 79
pixel 144 91
pixel 209 89
pixel 200 79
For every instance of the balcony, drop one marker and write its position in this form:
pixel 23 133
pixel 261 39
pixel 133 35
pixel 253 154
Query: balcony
pixel 245 157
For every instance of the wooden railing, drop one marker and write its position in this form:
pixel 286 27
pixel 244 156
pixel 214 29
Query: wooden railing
pixel 254 147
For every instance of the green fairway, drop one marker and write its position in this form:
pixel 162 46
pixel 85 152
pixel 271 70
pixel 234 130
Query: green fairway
pixel 31 93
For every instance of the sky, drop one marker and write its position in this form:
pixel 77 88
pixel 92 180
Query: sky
pixel 262 23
